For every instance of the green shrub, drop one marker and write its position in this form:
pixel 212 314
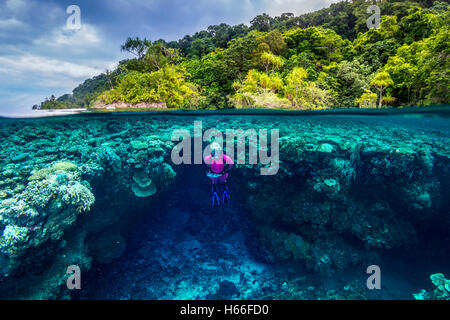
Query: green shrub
pixel 167 85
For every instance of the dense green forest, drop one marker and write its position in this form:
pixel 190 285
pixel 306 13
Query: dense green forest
pixel 325 59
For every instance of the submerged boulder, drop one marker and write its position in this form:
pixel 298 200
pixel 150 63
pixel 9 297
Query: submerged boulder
pixel 139 145
pixel 227 289
pixel 106 247
pixel 20 157
pixel 326 148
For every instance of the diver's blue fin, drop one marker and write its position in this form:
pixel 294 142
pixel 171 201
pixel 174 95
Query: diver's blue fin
pixel 226 195
pixel 215 197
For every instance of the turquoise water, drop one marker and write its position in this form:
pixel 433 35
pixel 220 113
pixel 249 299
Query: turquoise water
pixel 350 190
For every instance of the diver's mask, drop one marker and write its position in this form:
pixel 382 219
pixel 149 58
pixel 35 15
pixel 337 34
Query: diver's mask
pixel 216 150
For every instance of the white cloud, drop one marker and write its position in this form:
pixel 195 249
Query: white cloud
pixel 298 7
pixel 27 79
pixel 11 24
pixel 18 105
pixel 150 5
pixel 85 37
pixel 16 6
pixel 47 66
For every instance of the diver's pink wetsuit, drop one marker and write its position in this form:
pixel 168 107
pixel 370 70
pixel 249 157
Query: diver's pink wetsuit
pixel 217 166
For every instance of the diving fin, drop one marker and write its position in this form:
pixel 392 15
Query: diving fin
pixel 215 197
pixel 226 195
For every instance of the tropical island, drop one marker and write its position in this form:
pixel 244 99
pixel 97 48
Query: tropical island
pixel 321 60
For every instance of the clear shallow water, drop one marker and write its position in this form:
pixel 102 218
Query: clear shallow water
pixel 352 190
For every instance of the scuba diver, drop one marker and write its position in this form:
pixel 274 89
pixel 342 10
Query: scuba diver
pixel 219 165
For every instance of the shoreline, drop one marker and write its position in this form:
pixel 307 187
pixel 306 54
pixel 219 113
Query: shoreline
pixel 234 112
pixel 45 113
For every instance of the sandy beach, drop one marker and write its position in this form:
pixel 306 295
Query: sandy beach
pixel 43 113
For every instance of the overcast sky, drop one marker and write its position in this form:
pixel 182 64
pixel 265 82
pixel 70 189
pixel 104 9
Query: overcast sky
pixel 39 56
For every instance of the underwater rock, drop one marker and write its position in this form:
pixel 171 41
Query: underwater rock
pixel 329 186
pixel 4 264
pixel 20 157
pixel 114 126
pixel 420 196
pixel 51 284
pixel 108 159
pixel 227 290
pixel 106 247
pixel 326 148
pixel 139 145
pixel 424 200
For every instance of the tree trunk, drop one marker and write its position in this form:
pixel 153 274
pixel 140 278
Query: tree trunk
pixel 381 98
pixel 409 95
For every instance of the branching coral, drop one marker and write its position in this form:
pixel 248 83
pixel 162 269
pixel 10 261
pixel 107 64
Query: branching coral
pixel 12 236
pixel 80 196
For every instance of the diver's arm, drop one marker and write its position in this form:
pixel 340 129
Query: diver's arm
pixel 227 168
pixel 229 163
pixel 208 161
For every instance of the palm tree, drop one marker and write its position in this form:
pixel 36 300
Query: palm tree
pixel 381 81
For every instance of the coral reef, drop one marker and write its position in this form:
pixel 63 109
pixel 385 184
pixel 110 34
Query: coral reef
pixel 347 191
pixel 53 177
pixel 441 291
pixel 342 181
pixel 142 185
pixel 44 209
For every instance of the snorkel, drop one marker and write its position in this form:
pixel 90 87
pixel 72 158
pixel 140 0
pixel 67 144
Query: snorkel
pixel 216 150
